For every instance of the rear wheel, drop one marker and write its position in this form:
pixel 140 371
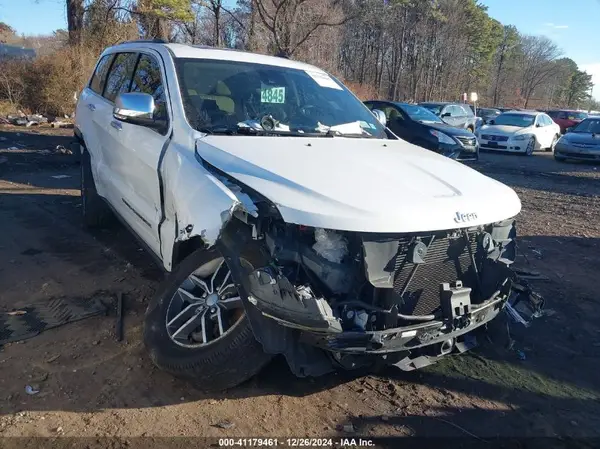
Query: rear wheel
pixel 553 144
pixel 196 327
pixel 96 213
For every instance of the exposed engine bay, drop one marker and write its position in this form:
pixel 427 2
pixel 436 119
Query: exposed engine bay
pixel 325 298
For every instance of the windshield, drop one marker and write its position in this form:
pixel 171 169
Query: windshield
pixel 420 114
pixel 520 120
pixel 435 108
pixel 234 96
pixel 588 126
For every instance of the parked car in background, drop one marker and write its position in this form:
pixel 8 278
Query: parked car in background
pixel 566 119
pixel 519 132
pixel 422 127
pixel 503 109
pixel 582 142
pixel 487 114
pixel 454 114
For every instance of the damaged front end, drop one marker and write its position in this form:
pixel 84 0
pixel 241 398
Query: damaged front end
pixel 325 298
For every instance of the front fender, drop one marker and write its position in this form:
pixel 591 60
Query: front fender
pixel 196 202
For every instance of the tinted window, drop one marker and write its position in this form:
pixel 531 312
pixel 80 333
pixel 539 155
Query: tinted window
pixel 147 79
pixel 99 78
pixel 119 78
pixel 552 114
pixel 562 115
pixel 577 115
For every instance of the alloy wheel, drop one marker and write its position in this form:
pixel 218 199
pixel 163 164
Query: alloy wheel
pixel 205 307
pixel 530 146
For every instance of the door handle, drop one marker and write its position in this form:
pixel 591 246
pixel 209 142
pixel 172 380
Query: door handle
pixel 91 107
pixel 116 125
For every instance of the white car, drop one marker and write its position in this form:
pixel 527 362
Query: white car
pixel 519 132
pixel 289 219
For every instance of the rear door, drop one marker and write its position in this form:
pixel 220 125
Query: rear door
pixel 136 153
pixel 91 123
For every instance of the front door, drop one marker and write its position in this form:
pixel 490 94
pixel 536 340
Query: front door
pixel 137 153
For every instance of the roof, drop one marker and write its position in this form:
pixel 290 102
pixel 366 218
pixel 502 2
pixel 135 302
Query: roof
pixel 223 54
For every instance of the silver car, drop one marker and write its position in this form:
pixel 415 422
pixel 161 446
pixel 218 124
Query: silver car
pixel 581 142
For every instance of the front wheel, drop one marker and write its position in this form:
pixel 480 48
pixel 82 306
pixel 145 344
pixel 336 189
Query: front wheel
pixel 196 326
pixel 530 147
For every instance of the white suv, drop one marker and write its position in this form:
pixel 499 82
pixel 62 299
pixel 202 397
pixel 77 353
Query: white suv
pixel 290 219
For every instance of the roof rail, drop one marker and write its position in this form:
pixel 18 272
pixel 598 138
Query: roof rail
pixel 146 41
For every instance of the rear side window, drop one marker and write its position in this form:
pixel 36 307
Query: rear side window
pixel 119 77
pixel 99 78
pixel 147 79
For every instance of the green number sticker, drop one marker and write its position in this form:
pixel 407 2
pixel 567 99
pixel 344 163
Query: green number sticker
pixel 272 94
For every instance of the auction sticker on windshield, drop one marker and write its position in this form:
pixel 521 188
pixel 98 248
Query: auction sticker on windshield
pixel 272 94
pixel 323 79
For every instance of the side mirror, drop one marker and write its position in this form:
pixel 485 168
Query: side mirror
pixel 491 122
pixel 138 109
pixel 380 116
pixel 445 114
pixel 538 125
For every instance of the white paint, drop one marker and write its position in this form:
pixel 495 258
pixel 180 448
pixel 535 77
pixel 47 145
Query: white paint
pixel 544 135
pixel 367 185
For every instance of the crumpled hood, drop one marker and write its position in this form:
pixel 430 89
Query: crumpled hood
pixel 367 185
pixel 504 130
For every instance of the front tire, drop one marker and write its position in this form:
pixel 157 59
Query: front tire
pixel 530 147
pixel 214 352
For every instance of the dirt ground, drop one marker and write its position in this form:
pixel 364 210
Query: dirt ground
pixel 546 385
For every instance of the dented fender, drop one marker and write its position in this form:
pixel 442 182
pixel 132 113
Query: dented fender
pixel 196 202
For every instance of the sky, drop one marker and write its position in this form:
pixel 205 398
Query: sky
pixel 574 25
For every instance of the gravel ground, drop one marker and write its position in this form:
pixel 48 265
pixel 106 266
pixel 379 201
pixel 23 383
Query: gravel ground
pixel 91 385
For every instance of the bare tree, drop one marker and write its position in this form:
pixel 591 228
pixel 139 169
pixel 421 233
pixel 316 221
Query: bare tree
pixel 291 23
pixel 539 54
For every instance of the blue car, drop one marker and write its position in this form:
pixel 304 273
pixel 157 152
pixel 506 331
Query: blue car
pixel 581 142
